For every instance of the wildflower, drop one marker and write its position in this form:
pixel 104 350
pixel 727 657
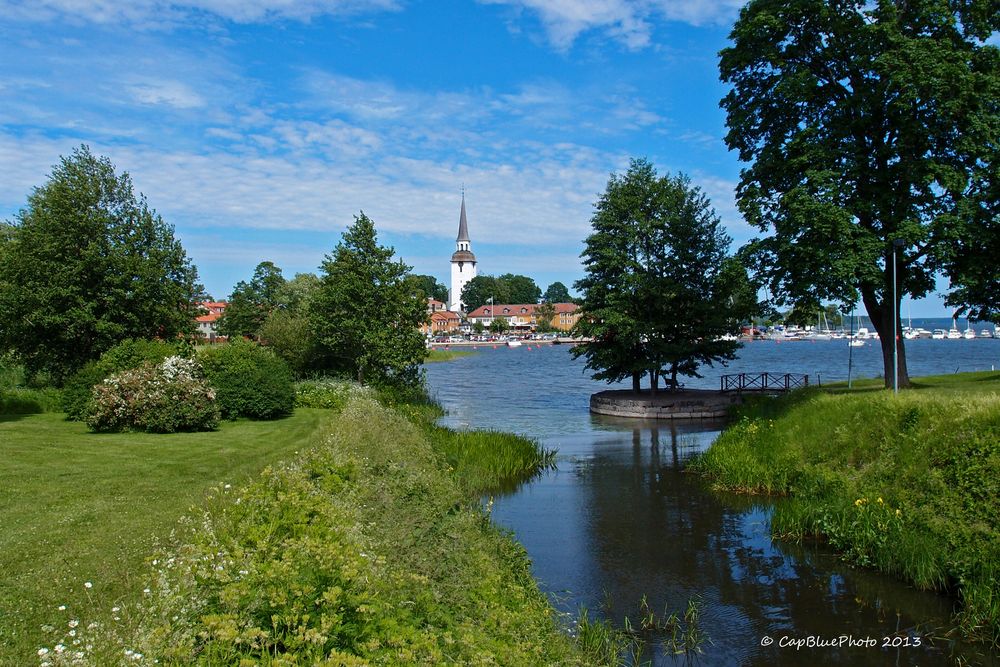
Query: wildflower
pixel 59 648
pixel 880 500
pixel 88 585
pixel 115 609
pixel 62 607
pixel 860 501
pixel 73 623
pixel 43 651
pixel 899 513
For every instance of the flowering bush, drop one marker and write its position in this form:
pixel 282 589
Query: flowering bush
pixel 164 398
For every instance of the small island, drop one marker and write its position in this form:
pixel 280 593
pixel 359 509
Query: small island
pixel 683 404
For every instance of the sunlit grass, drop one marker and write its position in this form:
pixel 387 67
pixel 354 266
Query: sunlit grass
pixel 79 507
pixel 436 355
pixel 906 484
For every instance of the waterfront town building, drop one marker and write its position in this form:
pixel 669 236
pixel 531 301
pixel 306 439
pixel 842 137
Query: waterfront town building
pixel 521 316
pixel 463 263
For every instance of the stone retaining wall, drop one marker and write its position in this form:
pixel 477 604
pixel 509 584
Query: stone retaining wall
pixel 688 404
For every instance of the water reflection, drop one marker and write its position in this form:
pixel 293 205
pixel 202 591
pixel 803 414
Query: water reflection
pixel 620 518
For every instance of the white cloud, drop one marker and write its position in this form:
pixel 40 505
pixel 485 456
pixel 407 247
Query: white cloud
pixel 628 21
pixel 170 93
pixel 169 12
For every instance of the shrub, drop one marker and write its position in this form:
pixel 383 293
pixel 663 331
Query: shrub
pixel 290 337
pixel 125 356
pixel 169 397
pixel 249 381
pixel 23 401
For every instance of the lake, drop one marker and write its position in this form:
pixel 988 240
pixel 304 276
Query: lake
pixel 619 519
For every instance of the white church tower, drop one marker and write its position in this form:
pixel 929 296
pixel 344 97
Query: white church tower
pixel 463 263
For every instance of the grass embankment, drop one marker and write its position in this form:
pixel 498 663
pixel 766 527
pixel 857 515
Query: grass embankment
pixel 435 355
pixel 80 507
pixel 364 549
pixel 907 484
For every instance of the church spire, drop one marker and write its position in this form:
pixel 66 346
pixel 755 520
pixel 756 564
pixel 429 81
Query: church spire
pixel 463 224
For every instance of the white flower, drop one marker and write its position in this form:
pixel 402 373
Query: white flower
pixel 87 584
pixel 43 651
pixel 114 609
pixel 60 648
pixel 62 607
pixel 73 623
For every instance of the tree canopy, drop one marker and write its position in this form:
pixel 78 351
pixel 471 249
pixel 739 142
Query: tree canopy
pixel 365 315
pixel 430 286
pixel 251 302
pixel 507 288
pixel 869 128
pixel 86 265
pixel 557 293
pixel 659 294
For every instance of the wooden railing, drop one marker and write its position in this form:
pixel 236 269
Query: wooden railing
pixel 763 382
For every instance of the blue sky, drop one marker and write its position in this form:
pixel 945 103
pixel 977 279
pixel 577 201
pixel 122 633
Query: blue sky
pixel 260 127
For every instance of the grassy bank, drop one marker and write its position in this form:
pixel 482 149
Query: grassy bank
pixel 435 355
pixel 907 484
pixel 363 549
pixel 80 507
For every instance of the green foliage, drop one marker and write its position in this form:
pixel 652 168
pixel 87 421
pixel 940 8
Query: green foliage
pixel 165 398
pixel 544 316
pixel 499 325
pixel 507 288
pixel 18 399
pixel 289 335
pixel 249 381
pixel 89 264
pixel 557 293
pixel 295 295
pixel 905 484
pixel 359 551
pixel 29 401
pixel 429 287
pixel 365 316
pixel 865 124
pixel 659 293
pixel 127 355
pixel 250 303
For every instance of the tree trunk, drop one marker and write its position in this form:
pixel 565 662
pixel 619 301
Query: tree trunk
pixel 636 386
pixel 882 315
pixel 673 377
pixel 654 381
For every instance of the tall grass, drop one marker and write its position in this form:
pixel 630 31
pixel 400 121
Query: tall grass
pixel 362 549
pixel 907 484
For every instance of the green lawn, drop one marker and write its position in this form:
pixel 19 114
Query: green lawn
pixel 79 507
pixel 436 355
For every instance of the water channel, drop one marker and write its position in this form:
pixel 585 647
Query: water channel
pixel 618 518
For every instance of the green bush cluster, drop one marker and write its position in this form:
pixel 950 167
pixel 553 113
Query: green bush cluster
pixel 907 484
pixel 26 401
pixel 166 398
pixel 249 381
pixel 361 551
pixel 127 355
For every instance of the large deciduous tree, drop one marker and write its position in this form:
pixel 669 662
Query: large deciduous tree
pixel 430 286
pixel 556 293
pixel 507 288
pixel 86 265
pixel 365 315
pixel 660 296
pixel 869 127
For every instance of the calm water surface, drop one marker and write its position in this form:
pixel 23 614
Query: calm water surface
pixel 619 518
